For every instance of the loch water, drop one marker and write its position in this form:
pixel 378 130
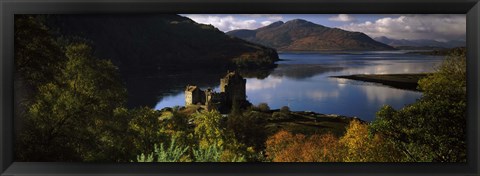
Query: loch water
pixel 303 82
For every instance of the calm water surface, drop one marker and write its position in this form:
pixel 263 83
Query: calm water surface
pixel 302 82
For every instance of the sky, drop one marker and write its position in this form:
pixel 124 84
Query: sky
pixel 440 27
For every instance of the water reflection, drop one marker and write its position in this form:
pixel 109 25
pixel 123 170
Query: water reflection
pixel 319 95
pixel 303 71
pixel 301 81
pixel 257 84
pixel 379 94
pixel 147 90
pixel 165 89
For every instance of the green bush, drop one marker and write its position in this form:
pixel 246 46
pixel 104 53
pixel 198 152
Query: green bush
pixel 174 153
pixel 208 154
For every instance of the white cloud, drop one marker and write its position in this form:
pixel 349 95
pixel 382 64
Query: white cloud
pixel 272 17
pixel 266 23
pixel 342 18
pixel 437 27
pixel 275 18
pixel 228 23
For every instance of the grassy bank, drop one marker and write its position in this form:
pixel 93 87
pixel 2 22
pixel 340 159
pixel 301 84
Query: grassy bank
pixel 400 81
pixel 304 122
pixel 309 123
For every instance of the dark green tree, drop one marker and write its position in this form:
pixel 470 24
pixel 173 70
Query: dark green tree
pixel 145 126
pixel 66 119
pixel 249 128
pixel 38 55
pixel 434 127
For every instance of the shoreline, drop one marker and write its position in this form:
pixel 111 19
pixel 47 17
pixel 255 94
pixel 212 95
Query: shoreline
pixel 330 51
pixel 399 81
pixel 305 122
pixel 308 122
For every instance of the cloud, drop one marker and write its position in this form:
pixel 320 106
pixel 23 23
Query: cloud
pixel 229 22
pixel 343 18
pixel 272 17
pixel 266 23
pixel 437 27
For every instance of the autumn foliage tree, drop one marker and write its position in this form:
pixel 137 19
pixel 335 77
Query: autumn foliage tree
pixel 362 146
pixel 357 145
pixel 287 147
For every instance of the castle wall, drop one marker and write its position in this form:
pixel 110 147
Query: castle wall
pixel 214 100
pixel 232 89
pixel 188 98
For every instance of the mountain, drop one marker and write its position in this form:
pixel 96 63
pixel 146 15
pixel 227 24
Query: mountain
pixel 420 43
pixel 301 35
pixel 160 42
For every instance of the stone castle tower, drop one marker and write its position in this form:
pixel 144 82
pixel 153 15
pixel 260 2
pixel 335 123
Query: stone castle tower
pixel 193 96
pixel 233 85
pixel 232 89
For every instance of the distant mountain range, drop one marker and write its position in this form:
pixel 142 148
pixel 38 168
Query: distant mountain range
pixel 302 35
pixel 421 43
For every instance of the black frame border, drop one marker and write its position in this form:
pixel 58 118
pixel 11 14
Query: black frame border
pixel 10 7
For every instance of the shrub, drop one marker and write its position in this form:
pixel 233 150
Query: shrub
pixel 174 153
pixel 285 109
pixel 263 107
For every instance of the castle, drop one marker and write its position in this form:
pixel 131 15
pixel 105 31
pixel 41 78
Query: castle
pixel 232 89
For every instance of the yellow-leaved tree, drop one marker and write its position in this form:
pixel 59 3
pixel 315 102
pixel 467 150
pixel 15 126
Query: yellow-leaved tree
pixel 287 147
pixel 362 146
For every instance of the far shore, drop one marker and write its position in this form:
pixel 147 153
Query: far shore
pixel 330 51
pixel 400 81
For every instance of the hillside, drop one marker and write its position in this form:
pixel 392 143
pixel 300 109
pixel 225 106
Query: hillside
pixel 157 52
pixel 301 35
pixel 164 42
pixel 419 44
